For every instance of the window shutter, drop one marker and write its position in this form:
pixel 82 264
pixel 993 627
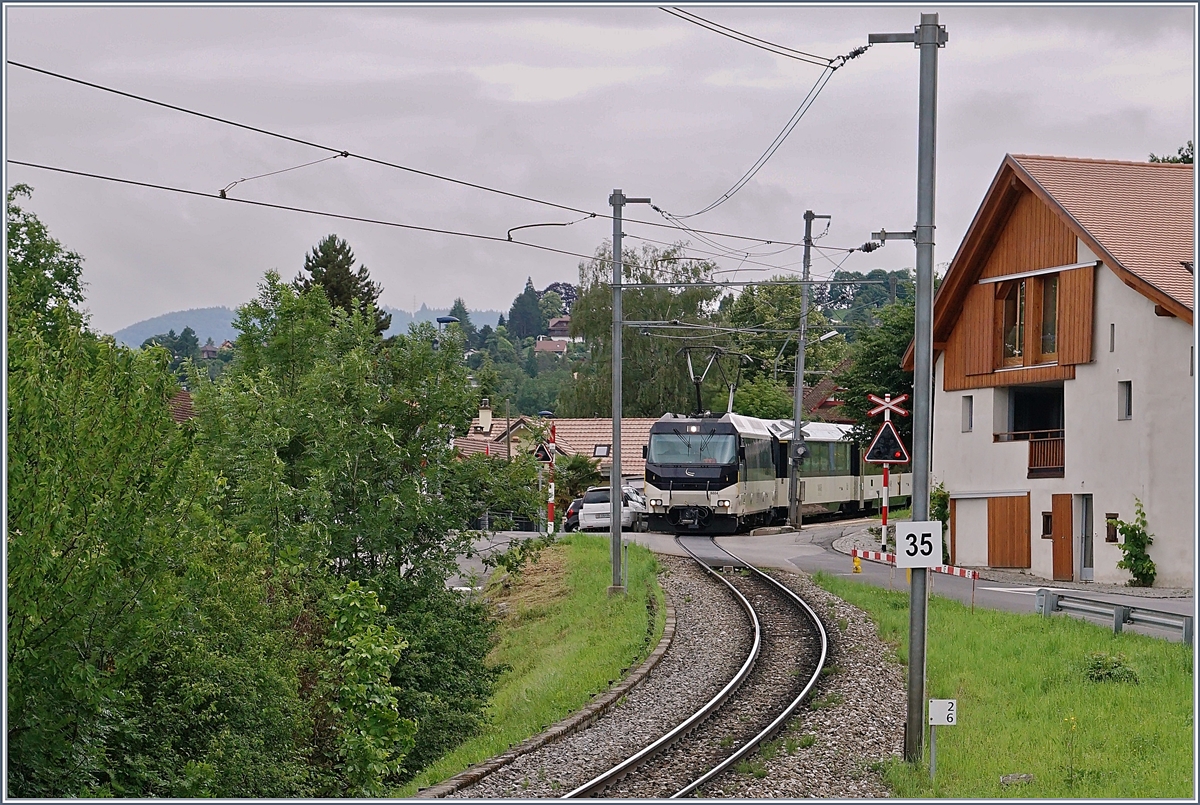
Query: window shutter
pixel 1075 307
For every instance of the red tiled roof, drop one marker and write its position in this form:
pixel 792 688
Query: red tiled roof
pixel 1141 213
pixel 550 345
pixel 181 406
pixel 574 436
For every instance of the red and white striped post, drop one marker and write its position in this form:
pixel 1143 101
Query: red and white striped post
pixel 886 485
pixel 550 500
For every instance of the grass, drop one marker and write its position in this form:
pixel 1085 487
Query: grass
pixel 1028 703
pixel 563 639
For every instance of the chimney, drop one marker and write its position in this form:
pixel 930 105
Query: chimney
pixel 485 416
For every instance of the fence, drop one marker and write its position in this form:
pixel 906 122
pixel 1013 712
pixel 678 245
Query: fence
pixel 1049 602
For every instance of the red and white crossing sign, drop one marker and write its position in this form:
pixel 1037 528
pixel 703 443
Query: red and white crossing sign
pixel 887 404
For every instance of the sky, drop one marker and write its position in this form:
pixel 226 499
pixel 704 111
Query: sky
pixel 562 104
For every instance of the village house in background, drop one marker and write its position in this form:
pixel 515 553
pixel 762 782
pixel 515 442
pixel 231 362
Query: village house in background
pixel 1064 364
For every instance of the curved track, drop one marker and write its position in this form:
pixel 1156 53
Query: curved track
pixel 783 665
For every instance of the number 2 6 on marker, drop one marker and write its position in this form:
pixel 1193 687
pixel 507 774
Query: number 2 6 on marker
pixel 919 544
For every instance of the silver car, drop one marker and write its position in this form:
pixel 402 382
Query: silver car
pixel 596 512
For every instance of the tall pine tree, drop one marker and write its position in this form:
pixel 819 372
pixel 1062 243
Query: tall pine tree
pixel 525 317
pixel 331 265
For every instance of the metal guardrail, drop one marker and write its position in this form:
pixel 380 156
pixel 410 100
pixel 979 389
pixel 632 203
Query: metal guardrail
pixel 1049 602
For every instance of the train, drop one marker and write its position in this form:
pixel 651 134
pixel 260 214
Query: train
pixel 722 475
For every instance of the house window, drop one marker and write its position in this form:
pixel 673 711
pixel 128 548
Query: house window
pixel 1047 525
pixel 1014 324
pixel 1110 528
pixel 1124 399
pixel 968 413
pixel 1050 316
pixel 601 450
pixel 1112 338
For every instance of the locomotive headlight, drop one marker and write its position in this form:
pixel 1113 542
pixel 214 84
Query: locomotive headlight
pixel 724 504
pixel 655 502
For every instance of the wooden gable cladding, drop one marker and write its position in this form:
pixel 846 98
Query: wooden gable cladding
pixel 1028 236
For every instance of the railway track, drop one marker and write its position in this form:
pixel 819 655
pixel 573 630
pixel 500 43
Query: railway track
pixel 785 660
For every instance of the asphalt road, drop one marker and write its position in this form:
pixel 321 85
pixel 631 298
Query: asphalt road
pixel 812 550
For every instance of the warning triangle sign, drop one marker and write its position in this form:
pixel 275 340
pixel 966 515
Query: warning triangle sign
pixel 886 448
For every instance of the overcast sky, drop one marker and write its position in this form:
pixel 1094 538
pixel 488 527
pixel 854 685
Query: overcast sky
pixel 563 104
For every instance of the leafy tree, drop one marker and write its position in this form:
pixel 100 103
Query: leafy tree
pixel 572 477
pixel 44 279
pixel 763 397
pixel 1135 558
pixel 778 307
pixel 550 305
pixel 525 316
pixel 330 265
pixel 1184 155
pixel 531 362
pixel 654 374
pixel 877 352
pixel 93 523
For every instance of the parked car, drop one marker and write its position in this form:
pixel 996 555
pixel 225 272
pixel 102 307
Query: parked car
pixel 571 518
pixel 596 511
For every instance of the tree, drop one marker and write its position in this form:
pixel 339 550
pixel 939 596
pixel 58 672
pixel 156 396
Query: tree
pixel 330 265
pixel 877 352
pixel 525 317
pixel 572 477
pixel 655 375
pixel 777 307
pixel 460 312
pixel 550 305
pixel 1184 155
pixel 765 398
pixel 44 279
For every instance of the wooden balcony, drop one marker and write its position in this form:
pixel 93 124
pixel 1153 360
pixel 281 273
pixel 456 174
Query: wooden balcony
pixel 1046 451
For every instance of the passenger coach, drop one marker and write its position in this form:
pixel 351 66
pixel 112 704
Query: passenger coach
pixel 721 475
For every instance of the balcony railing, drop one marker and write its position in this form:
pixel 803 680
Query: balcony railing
pixel 1046 451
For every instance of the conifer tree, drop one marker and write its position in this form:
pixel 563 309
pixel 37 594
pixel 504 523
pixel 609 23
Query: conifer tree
pixel 330 264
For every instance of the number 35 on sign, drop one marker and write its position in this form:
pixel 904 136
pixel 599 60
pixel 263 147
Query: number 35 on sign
pixel 919 544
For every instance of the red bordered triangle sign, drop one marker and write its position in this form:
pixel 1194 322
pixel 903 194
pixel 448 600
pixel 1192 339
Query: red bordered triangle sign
pixel 886 447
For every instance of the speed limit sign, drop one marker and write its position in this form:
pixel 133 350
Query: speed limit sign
pixel 919 544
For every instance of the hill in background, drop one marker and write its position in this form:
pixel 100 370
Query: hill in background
pixel 217 323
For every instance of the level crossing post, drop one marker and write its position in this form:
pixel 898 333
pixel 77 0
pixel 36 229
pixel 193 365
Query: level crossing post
pixel 928 37
pixel 550 499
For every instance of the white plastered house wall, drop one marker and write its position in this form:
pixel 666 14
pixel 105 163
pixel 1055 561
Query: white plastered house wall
pixel 1148 457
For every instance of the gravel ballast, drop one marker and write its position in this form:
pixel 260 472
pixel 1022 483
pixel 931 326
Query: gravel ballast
pixel 711 642
pixel 859 723
pixel 836 747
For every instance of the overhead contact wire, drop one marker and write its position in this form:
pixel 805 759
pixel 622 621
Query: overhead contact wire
pixel 373 160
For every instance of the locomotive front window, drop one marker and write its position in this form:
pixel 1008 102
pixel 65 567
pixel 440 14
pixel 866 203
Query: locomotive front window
pixel 692 448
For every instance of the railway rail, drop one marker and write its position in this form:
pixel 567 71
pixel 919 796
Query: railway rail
pixel 785 660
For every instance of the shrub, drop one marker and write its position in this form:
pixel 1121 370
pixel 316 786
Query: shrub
pixel 1136 560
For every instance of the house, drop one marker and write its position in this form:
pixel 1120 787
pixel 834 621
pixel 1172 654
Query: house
pixel 549 346
pixel 180 406
pixel 591 437
pixel 560 328
pixel 209 350
pixel 1064 370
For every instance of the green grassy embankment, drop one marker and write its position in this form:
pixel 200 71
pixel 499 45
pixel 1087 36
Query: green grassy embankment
pixel 563 639
pixel 1027 703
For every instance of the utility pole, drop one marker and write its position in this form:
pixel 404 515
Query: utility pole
pixel 798 390
pixel 928 37
pixel 617 200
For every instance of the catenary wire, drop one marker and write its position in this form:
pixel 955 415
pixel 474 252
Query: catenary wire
pixel 373 160
pixel 307 211
pixel 231 185
pixel 747 39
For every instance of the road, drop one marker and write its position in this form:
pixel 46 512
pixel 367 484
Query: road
pixel 812 550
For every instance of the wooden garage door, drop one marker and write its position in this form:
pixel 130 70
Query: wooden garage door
pixel 1008 531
